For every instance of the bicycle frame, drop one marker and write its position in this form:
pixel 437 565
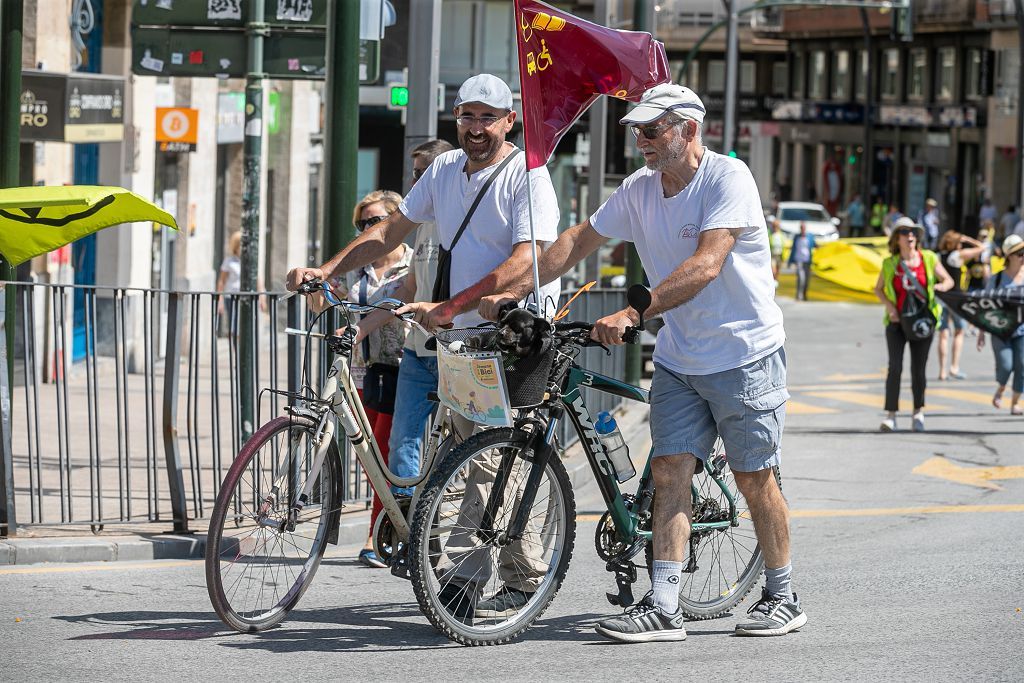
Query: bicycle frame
pixel 625 517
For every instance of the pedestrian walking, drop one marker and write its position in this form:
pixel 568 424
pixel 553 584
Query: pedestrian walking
pixel 478 197
pixel 720 364
pixel 909 279
pixel 229 282
pixel 801 253
pixel 988 212
pixel 377 350
pixel 892 215
pixel 878 211
pixel 1009 355
pixel 777 243
pixel 955 250
pixel 1008 222
pixel 855 215
pixel 930 221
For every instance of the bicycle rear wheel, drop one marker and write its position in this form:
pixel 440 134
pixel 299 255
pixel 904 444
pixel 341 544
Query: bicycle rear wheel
pixel 263 550
pixel 460 573
pixel 725 564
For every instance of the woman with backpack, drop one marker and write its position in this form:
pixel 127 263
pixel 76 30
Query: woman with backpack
pixel 906 287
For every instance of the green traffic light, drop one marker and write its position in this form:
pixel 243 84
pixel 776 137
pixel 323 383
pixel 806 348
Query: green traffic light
pixel 852 159
pixel 399 96
pixel 732 153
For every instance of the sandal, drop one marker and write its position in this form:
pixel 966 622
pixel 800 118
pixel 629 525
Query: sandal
pixel 997 399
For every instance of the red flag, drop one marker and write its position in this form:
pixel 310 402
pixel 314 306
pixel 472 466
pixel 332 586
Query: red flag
pixel 565 63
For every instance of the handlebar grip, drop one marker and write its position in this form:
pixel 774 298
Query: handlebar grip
pixel 631 335
pixel 506 308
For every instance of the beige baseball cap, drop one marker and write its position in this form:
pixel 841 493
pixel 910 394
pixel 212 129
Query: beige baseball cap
pixel 664 98
pixel 1012 244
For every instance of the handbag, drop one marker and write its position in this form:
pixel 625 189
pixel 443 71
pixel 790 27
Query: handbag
pixel 916 318
pixel 443 279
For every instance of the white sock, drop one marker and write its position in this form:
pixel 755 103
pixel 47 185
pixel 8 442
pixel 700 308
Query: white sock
pixel 665 580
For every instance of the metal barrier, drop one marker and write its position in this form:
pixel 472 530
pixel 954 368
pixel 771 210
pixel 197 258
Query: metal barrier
pixel 126 401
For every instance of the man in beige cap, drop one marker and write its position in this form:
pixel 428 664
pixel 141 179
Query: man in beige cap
pixel 930 221
pixel 720 366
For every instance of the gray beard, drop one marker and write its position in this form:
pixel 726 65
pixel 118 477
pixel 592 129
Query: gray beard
pixel 674 150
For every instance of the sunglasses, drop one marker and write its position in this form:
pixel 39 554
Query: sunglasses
pixel 368 222
pixel 905 231
pixel 652 131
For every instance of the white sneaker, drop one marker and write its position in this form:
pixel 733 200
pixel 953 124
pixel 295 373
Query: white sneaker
pixel 888 424
pixel 919 422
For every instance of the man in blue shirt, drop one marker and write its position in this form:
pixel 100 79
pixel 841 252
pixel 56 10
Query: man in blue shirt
pixel 855 215
pixel 800 255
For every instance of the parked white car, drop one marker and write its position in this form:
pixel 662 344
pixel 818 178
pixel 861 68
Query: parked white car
pixel 824 227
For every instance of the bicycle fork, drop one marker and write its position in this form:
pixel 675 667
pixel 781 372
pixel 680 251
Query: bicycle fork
pixel 538 450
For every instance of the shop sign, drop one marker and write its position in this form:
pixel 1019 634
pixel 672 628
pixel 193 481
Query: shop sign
pixel 230 118
pixel 893 115
pixel 957 117
pixel 177 129
pixel 71 108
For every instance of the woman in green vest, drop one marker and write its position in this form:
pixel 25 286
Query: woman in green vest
pixel 894 285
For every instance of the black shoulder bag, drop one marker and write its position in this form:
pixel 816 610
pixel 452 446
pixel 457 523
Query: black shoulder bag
pixel 443 280
pixel 916 318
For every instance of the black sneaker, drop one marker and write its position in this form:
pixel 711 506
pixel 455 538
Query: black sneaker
pixel 458 599
pixel 644 623
pixel 505 603
pixel 772 616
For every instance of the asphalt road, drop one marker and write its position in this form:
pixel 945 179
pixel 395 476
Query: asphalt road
pixel 904 575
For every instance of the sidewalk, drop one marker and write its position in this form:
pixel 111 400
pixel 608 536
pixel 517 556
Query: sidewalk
pixel 141 542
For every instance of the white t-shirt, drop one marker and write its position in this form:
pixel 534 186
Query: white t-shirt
pixel 734 320
pixel 232 265
pixel 424 265
pixel 445 193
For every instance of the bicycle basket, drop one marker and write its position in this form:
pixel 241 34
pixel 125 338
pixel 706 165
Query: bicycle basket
pixel 526 377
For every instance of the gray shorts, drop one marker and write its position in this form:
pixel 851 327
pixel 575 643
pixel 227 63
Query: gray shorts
pixel 746 406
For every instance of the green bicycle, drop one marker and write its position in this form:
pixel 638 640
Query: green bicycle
pixel 494 531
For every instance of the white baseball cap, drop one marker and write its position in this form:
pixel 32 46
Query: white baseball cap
pixel 485 89
pixel 667 97
pixel 1012 244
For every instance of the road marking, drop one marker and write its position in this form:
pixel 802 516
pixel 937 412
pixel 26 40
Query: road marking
pixel 841 377
pixel 798 408
pixel 877 512
pixel 981 477
pixel 49 568
pixel 869 400
pixel 961 395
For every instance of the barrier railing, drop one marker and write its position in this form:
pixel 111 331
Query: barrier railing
pixel 125 404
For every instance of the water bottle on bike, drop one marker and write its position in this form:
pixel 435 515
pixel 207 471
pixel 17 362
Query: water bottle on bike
pixel 614 446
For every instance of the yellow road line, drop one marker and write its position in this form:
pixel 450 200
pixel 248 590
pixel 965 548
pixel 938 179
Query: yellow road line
pixel 879 512
pixel 870 400
pixel 798 408
pixel 961 395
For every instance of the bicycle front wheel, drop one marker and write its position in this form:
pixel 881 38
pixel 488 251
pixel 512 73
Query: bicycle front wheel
pixel 474 584
pixel 264 545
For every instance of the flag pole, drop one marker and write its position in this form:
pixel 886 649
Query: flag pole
pixel 541 305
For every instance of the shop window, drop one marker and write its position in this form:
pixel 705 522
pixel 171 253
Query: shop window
pixel 840 75
pixel 917 70
pixel 748 77
pixel 780 79
pixel 1007 68
pixel 945 74
pixel 798 74
pixel 889 69
pixel 716 76
pixel 478 38
pixel 860 76
pixel 819 75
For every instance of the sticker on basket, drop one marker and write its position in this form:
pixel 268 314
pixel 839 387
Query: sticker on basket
pixel 473 386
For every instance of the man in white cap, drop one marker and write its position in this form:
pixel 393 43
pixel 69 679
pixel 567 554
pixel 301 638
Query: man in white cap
pixel 930 221
pixel 720 367
pixel 478 198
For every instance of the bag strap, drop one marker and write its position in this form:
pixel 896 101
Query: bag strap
pixel 480 196
pixel 915 284
pixel 364 283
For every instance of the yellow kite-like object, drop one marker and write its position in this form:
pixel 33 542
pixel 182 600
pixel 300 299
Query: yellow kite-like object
pixel 35 220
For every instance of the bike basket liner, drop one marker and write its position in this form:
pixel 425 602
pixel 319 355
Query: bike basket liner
pixel 526 377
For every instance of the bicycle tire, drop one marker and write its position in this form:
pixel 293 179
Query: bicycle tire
pixel 717 597
pixel 237 549
pixel 433 520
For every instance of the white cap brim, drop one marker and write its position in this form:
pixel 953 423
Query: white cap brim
pixel 646 113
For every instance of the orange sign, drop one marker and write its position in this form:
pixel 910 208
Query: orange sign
pixel 177 129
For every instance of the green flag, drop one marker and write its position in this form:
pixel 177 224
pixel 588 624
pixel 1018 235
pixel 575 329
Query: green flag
pixel 36 220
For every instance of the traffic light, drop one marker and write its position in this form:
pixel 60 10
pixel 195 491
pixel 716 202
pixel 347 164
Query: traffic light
pixel 398 97
pixel 902 27
pixel 852 159
pixel 732 153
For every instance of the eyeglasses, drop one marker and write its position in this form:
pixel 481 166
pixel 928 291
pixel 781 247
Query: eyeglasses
pixel 905 231
pixel 652 131
pixel 368 222
pixel 467 121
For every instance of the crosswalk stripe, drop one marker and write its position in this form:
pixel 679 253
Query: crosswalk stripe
pixel 961 395
pixel 798 408
pixel 870 400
